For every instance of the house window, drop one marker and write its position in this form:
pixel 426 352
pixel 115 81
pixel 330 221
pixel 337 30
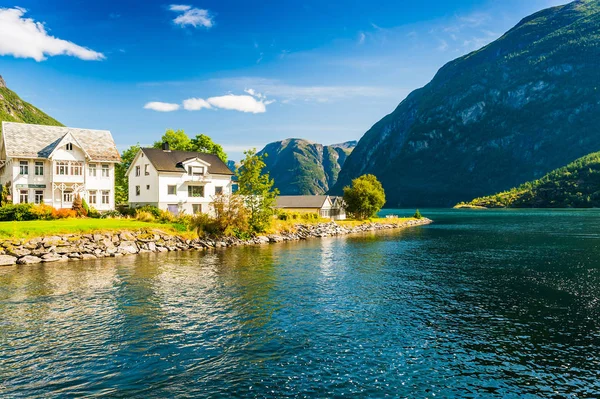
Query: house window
pixel 24 167
pixel 137 190
pixel 39 168
pixel 105 171
pixel 69 147
pixel 93 197
pixel 39 197
pixel 172 190
pixel 147 187
pixel 195 191
pixel 105 197
pixel 197 208
pixel 146 171
pixel 76 169
pixel 23 196
pixel 68 196
pixel 195 170
pixel 218 190
pixel 137 170
pixel 92 168
pixel 62 168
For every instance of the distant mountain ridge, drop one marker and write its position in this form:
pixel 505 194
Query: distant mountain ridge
pixel 508 113
pixel 13 109
pixel 576 185
pixel 301 167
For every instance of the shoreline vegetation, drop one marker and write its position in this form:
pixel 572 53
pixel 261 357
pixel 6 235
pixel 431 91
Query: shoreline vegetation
pixel 116 238
pixel 572 186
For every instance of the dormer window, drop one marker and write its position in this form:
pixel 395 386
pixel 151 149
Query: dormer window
pixel 69 146
pixel 195 170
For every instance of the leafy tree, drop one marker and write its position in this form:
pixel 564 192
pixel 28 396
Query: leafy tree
pixel 365 198
pixel 257 189
pixel 203 143
pixel 177 140
pixel 121 180
pixel 231 215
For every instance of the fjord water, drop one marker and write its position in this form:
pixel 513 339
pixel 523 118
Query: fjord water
pixel 478 304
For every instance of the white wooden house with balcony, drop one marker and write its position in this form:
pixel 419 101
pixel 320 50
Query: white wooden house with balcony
pixel 52 164
pixel 177 181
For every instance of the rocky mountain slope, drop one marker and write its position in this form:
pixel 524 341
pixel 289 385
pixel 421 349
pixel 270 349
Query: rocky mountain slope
pixel 13 109
pixel 510 112
pixel 302 167
pixel 576 185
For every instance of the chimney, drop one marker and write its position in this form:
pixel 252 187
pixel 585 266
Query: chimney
pixel 165 146
pixel 2 82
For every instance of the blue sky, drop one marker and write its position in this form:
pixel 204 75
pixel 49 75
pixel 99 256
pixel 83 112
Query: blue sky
pixel 245 73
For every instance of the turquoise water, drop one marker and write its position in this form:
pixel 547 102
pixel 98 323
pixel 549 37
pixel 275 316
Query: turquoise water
pixel 479 304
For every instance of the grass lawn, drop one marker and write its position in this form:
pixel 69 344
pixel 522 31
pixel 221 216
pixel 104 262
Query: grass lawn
pixel 38 228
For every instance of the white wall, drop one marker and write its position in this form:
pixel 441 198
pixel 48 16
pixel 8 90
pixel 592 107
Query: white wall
pixel 147 196
pixel 158 194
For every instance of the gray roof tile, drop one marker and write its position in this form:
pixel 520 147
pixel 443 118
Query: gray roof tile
pixel 23 140
pixel 300 201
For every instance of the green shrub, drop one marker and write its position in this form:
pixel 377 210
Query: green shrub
pixel 151 209
pixel 418 215
pixel 93 213
pixel 85 206
pixel 144 216
pixel 310 216
pixel 18 212
pixel 166 217
pixel 110 215
pixel 204 225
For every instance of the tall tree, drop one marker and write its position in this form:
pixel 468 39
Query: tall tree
pixel 365 198
pixel 121 180
pixel 203 143
pixel 257 189
pixel 177 140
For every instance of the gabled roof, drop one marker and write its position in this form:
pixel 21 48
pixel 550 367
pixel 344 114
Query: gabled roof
pixel 22 140
pixel 171 161
pixel 301 201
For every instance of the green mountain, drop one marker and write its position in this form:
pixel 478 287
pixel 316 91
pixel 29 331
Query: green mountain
pixel 576 185
pixel 13 109
pixel 508 113
pixel 301 167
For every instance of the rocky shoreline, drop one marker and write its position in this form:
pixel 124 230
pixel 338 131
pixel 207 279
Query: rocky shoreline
pixel 73 247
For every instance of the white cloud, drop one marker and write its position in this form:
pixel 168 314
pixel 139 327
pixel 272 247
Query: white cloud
pixel 192 16
pixel 161 107
pixel 195 104
pixel 179 7
pixel 256 94
pixel 25 38
pixel 238 103
pixel 255 103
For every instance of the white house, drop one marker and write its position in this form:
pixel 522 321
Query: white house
pixel 177 181
pixel 325 206
pixel 52 164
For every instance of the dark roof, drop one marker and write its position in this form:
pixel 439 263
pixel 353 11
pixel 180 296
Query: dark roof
pixel 300 201
pixel 171 161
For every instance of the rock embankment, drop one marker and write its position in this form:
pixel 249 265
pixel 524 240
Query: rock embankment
pixel 100 245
